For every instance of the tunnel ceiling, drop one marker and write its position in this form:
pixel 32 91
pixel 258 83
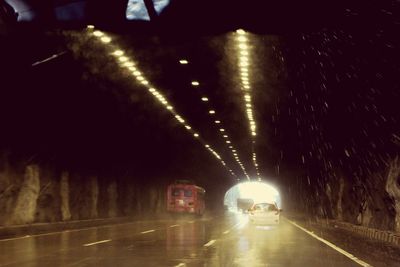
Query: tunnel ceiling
pixel 324 102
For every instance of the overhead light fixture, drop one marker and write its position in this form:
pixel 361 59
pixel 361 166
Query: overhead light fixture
pixel 105 39
pixel 98 33
pixel 123 59
pixel 118 52
pixel 129 65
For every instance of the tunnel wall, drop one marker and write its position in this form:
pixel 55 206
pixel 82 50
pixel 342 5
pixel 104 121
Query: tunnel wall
pixel 371 201
pixel 33 193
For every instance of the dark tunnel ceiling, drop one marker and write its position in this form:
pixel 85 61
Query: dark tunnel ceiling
pixel 183 16
pixel 325 103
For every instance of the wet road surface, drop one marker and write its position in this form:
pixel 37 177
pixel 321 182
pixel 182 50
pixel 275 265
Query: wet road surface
pixel 214 241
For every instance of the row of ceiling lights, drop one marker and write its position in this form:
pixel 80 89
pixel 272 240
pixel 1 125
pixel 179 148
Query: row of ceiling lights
pixel 222 130
pixel 126 62
pixel 243 64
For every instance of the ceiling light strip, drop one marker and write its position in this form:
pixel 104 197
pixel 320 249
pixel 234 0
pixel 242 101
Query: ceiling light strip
pixel 212 112
pixel 245 82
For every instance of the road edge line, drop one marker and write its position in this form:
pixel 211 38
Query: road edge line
pixel 331 245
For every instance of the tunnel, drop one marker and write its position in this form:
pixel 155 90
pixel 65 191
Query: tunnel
pixel 255 192
pixel 145 132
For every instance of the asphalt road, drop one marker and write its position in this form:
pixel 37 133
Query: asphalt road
pixel 213 241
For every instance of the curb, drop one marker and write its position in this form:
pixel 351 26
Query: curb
pixel 372 233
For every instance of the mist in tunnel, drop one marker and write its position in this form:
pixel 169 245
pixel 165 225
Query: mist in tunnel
pixel 247 193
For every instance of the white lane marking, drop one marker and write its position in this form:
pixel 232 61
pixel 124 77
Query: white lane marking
pixel 79 230
pixel 15 238
pixel 175 225
pixel 98 242
pixel 53 233
pixel 149 231
pixel 233 227
pixel 210 243
pixel 181 265
pixel 347 254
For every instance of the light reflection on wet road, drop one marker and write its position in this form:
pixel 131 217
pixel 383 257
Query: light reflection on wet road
pixel 217 241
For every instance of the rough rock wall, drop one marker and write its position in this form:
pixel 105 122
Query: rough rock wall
pixel 112 199
pixel 37 193
pixel 372 201
pixel 379 203
pixel 25 206
pixel 64 194
pixel 127 198
pixel 393 189
pixel 339 209
pixel 11 180
pixel 330 201
pixel 48 201
pixel 93 189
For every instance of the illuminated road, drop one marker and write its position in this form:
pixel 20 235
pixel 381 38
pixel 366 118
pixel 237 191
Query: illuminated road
pixel 216 241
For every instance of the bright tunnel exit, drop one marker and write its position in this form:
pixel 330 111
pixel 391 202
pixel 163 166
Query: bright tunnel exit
pixel 241 196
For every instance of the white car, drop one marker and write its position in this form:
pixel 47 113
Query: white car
pixel 264 213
